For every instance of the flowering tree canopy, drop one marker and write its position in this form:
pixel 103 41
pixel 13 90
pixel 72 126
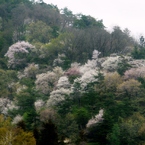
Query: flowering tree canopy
pixel 46 81
pixel 58 95
pixel 16 53
pixel 135 73
pixel 96 53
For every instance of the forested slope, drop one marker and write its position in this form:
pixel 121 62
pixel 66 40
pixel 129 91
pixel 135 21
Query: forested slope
pixel 64 79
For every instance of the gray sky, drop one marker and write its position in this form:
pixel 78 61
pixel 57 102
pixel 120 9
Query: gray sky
pixel 124 13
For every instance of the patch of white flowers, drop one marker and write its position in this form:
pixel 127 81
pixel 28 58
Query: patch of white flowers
pixel 75 65
pixel 63 82
pixel 135 73
pixel 91 64
pixel 97 119
pixel 58 71
pixel 5 105
pixel 45 82
pixel 57 96
pixel 17 119
pixel 39 104
pixel 19 88
pixel 89 71
pixel 86 78
pixel 96 54
pixel 20 47
pixel 59 60
pixel 111 63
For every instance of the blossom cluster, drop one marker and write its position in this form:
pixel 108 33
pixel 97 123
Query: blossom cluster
pixel 96 54
pixel 63 82
pixel 73 71
pixel 111 63
pixel 97 119
pixel 14 50
pixel 17 119
pixel 135 73
pixel 87 78
pixel 29 72
pixel 59 60
pixel 39 104
pixel 58 95
pixel 5 105
pixel 45 82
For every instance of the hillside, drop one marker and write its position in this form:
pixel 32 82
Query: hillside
pixel 64 79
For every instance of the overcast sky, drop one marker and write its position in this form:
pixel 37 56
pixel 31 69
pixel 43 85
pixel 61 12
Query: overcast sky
pixel 124 13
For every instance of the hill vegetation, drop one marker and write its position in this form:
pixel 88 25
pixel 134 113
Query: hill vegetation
pixel 64 79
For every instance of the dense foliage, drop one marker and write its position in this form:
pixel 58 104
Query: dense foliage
pixel 64 79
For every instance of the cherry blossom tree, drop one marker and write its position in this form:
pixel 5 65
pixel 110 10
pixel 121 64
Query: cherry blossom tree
pixel 17 53
pixel 58 95
pixel 45 82
pixel 135 73
pixel 87 78
pixel 72 73
pixel 5 105
pixel 96 53
pixel 63 82
pixel 111 63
